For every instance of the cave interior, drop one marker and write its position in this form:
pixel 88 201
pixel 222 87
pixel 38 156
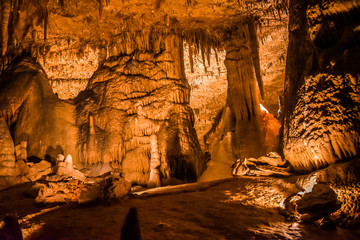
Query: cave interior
pixel 162 119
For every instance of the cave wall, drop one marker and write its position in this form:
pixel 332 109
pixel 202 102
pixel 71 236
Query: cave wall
pixel 137 96
pixel 34 114
pixel 321 114
pixel 71 39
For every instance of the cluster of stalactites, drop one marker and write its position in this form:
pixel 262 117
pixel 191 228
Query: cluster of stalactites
pixel 126 43
pixel 201 42
pixel 266 8
pixel 18 18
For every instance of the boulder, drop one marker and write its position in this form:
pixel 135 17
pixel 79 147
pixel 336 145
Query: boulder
pixel 20 151
pixel 116 188
pixel 38 170
pixel 107 189
pixel 271 165
pixel 57 192
pixel 316 204
pixel 272 158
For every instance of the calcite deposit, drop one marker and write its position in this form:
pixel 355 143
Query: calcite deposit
pixel 241 117
pixel 134 97
pixel 33 112
pixel 321 124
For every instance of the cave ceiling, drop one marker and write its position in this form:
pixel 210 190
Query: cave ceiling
pixel 102 20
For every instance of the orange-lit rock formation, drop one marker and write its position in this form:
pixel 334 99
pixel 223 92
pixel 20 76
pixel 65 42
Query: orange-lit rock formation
pixel 140 93
pixel 321 115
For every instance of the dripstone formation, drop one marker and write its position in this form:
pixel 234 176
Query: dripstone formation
pixel 321 116
pixel 137 96
pixel 34 114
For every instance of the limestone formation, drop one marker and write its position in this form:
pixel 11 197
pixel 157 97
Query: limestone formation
pixel 136 97
pixel 7 151
pixel 36 171
pixel 21 151
pixel 34 113
pixel 271 165
pixel 106 189
pixel 318 203
pixel 272 158
pixel 241 117
pixel 321 113
pixel 66 169
pixel 154 180
pixel 324 126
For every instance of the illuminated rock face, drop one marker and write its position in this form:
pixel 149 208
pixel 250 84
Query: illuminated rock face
pixel 133 97
pixel 241 117
pixel 7 157
pixel 34 114
pixel 324 126
pixel 322 97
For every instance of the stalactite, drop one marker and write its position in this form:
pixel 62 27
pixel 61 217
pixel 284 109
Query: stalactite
pixel 191 57
pixel 100 2
pixel 208 54
pixel 61 3
pixel 203 56
pixel 91 146
pixel 254 45
pixel 5 17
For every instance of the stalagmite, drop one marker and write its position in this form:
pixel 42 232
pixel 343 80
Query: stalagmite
pixel 154 180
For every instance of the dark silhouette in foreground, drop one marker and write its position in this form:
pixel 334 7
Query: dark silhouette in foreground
pixel 131 227
pixel 10 228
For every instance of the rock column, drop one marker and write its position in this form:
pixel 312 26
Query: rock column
pixel 241 117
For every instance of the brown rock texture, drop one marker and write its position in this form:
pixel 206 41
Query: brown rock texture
pixel 241 117
pixel 321 114
pixel 343 178
pixel 133 96
pixel 34 113
pixel 324 127
pixel 7 150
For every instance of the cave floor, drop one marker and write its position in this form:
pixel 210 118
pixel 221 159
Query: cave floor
pixel 236 208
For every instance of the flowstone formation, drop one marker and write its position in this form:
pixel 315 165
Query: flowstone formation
pixel 7 156
pixel 34 114
pixel 134 113
pixel 322 97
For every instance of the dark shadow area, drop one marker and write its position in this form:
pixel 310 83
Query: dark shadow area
pixel 52 153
